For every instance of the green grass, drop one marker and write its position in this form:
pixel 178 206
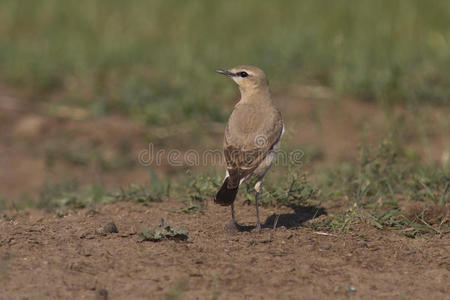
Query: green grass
pixel 385 189
pixel 388 190
pixel 386 172
pixel 69 194
pixel 157 191
pixel 154 60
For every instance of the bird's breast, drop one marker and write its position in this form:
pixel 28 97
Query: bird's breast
pixel 249 125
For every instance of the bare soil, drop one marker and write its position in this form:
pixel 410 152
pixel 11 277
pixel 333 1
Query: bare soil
pixel 45 256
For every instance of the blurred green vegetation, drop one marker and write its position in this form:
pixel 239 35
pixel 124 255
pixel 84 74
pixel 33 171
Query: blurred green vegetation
pixel 154 60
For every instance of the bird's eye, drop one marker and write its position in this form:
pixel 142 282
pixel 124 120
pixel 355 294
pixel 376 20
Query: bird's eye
pixel 243 74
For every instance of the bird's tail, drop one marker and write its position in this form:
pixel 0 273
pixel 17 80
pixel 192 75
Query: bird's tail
pixel 225 196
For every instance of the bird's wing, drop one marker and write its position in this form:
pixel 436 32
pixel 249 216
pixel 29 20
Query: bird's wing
pixel 250 133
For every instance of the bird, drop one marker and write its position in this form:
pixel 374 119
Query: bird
pixel 252 136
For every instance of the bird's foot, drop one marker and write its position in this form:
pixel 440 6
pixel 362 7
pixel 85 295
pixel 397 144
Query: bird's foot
pixel 232 227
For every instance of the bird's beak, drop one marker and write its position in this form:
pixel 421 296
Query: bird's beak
pixel 225 72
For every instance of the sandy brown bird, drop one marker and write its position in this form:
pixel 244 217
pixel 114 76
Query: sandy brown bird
pixel 252 135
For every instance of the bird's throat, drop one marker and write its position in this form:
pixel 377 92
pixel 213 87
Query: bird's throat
pixel 255 94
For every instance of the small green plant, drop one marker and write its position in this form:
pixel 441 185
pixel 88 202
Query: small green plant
pixel 199 191
pixel 162 232
pixel 341 222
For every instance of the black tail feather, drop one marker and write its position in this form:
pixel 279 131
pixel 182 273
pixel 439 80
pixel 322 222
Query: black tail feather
pixel 226 196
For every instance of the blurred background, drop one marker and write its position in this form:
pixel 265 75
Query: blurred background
pixel 86 85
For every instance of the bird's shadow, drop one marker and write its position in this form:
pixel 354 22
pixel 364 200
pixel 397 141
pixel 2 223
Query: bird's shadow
pixel 300 215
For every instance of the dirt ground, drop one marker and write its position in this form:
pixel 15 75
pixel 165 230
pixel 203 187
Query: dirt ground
pixel 45 256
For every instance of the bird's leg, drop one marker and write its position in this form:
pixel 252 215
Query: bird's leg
pixel 257 189
pixel 232 227
pixel 233 218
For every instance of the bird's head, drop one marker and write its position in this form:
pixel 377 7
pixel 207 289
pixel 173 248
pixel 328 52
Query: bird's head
pixel 249 78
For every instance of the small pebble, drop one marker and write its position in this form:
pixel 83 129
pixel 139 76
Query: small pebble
pixel 111 228
pixel 101 294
